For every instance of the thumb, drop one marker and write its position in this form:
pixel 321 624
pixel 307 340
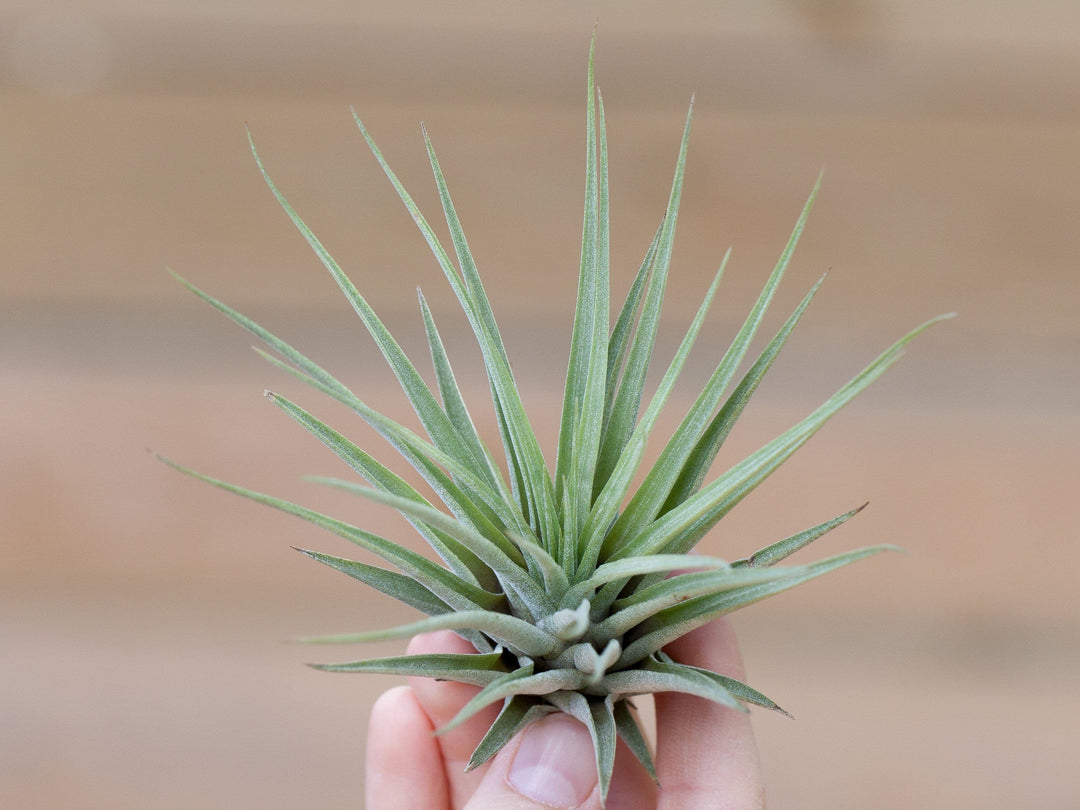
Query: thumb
pixel 551 763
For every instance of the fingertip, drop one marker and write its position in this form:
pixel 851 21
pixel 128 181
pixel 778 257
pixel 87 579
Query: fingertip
pixel 403 763
pixel 438 641
pixel 549 764
pixel 440 702
pixel 712 646
pixel 704 749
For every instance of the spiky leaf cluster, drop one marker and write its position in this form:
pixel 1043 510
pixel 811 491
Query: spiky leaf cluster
pixel 568 584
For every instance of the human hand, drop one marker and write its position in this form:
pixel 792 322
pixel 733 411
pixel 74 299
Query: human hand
pixel 706 758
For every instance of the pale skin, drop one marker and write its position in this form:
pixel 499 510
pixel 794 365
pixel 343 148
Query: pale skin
pixel 705 753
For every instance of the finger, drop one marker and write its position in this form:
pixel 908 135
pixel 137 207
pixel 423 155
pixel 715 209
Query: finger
pixel 631 786
pixel 706 756
pixel 404 764
pixel 441 700
pixel 550 764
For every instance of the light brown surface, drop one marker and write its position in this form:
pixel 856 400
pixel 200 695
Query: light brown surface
pixel 141 614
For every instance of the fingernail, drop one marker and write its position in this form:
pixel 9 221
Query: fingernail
pixel 554 764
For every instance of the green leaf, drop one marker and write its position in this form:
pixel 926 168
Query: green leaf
pixel 419 453
pixel 631 734
pixel 477 669
pixel 620 336
pixel 422 455
pixel 770 555
pixel 517 712
pixel 304 367
pixel 604 737
pixel 681 528
pixel 627 401
pixel 654 676
pixel 583 402
pixel 646 503
pixel 520 636
pixel 503 558
pixel 454 403
pixel 523 453
pixel 465 494
pixel 551 573
pixel 519 682
pixel 597 527
pixel 497 556
pixel 675 622
pixel 524 457
pixel 452 589
pixel 739 689
pixel 402 588
pixel 705 451
pixel 598 716
pixel 461 560
pixel 431 415
pixel 636 566
pixel 631 611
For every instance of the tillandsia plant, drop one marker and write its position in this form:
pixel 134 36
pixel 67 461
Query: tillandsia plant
pixel 569 583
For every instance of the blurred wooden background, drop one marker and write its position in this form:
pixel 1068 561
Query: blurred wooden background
pixel 142 615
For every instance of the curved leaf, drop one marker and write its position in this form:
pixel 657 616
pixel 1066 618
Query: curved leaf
pixel 517 634
pixel 630 733
pixel 477 669
pixel 674 622
pixel 517 712
pixel 519 682
pixel 403 588
pixel 456 592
